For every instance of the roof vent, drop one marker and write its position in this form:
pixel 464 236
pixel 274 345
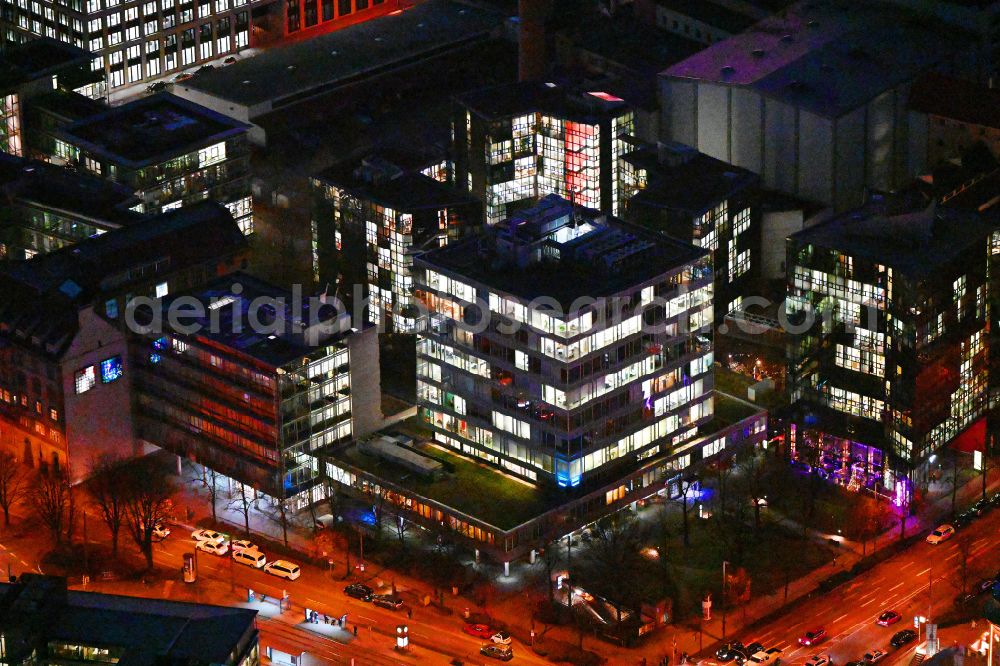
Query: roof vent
pixel 333 53
pixel 813 24
pixel 826 67
pixel 378 39
pixel 291 67
pixel 787 39
pixel 758 53
pixel 246 82
pixel 728 70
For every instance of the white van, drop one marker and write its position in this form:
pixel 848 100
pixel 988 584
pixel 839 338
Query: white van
pixel 283 569
pixel 252 558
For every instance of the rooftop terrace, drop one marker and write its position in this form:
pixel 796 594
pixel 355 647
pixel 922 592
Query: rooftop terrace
pixel 151 130
pixel 559 252
pixel 489 495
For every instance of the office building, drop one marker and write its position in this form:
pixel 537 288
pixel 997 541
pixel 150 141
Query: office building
pixel 683 193
pixel 430 31
pixel 516 143
pixel 258 384
pixel 34 69
pixel 49 207
pixel 65 374
pixel 41 622
pixel 812 100
pixel 573 391
pixel 168 150
pixel 369 222
pixel 135 40
pixel 558 417
pixel 889 354
pixel 275 21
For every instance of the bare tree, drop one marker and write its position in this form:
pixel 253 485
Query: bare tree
pixel 612 560
pixel 211 479
pixel 753 470
pixel 240 500
pixel 12 484
pixel 402 526
pixel 109 490
pixel 550 558
pixel 149 489
pixel 687 485
pixel 871 520
pixel 49 500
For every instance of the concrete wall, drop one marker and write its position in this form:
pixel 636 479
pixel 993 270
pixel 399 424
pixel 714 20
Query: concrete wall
pixel 678 99
pixel 713 120
pixel 747 139
pixel 849 176
pixel 99 421
pixel 815 157
pixel 780 146
pixel 366 386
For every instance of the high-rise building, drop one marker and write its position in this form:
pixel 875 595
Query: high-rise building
pixel 517 143
pixel 678 191
pixel 369 222
pixel 49 207
pixel 561 345
pixel 134 40
pixel 889 356
pixel 65 374
pixel 254 384
pixel 169 151
pixel 41 622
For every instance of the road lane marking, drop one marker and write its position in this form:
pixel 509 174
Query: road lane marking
pixel 841 617
pixel 897 586
pixel 868 603
pixel 923 572
pixel 951 557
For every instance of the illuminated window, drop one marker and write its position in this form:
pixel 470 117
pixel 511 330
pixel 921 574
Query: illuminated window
pixel 162 290
pixel 85 379
pixel 111 369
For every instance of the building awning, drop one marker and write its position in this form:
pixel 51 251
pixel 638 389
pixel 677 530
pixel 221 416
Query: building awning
pixel 973 439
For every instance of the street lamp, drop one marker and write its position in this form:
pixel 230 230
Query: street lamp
pixel 724 565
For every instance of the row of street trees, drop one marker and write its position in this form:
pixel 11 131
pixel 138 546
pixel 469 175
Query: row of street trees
pixel 130 495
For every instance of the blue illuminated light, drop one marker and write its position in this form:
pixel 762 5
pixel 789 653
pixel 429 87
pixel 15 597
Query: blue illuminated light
pixel 111 369
pixel 154 358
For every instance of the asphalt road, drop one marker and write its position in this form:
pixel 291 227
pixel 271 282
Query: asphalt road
pixel 923 580
pixel 434 637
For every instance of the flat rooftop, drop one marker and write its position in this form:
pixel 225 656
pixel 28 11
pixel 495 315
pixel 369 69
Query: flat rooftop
pixel 151 130
pixel 287 74
pixel 402 190
pixel 149 630
pixel 916 242
pixel 826 56
pixel 515 99
pixel 692 182
pixel 627 41
pixel 598 256
pixel 941 95
pixel 74 193
pixel 257 319
pixel 489 495
pixel 706 11
pixel 39 57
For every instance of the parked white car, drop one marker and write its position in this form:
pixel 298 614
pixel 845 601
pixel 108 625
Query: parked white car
pixel 207 535
pixel 213 547
pixel 283 569
pixel 242 544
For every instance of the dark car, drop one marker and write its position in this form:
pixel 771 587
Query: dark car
pixel 387 601
pixel 814 637
pixel 156 87
pixel 752 649
pixel 729 651
pixel 966 598
pixel 995 499
pixel 801 465
pixel 903 637
pixel 982 506
pixel 359 591
pixel 495 651
pixel 984 586
pixel 962 521
pixel 888 617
